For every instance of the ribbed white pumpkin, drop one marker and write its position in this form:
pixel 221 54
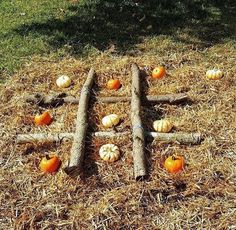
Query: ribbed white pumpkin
pixel 214 74
pixel 110 120
pixel 109 152
pixel 63 81
pixel 162 126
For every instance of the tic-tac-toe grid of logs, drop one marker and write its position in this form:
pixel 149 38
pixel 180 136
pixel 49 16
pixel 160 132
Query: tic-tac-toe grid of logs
pixel 75 163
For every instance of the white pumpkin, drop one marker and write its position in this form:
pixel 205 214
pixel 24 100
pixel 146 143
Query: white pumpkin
pixel 214 74
pixel 110 120
pixel 162 126
pixel 109 152
pixel 63 81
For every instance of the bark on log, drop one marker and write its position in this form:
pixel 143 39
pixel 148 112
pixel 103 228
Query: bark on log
pixel 168 98
pixel 140 169
pixel 181 138
pixel 110 134
pixel 43 137
pixel 59 99
pixel 77 150
pixel 59 137
pixel 51 100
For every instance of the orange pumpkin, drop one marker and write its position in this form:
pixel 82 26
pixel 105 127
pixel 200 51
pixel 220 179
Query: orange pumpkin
pixel 113 84
pixel 43 119
pixel 50 164
pixel 158 72
pixel 174 164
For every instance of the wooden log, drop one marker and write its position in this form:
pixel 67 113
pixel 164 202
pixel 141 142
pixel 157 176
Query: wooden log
pixel 140 169
pixel 51 100
pixel 43 137
pixel 59 99
pixel 113 99
pixel 181 138
pixel 110 134
pixel 59 137
pixel 168 98
pixel 77 150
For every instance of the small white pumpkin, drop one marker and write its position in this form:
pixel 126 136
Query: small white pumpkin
pixel 63 81
pixel 162 126
pixel 109 152
pixel 214 74
pixel 110 120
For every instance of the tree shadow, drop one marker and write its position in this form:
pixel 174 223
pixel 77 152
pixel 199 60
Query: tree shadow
pixel 123 24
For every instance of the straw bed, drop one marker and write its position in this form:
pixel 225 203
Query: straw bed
pixel 106 196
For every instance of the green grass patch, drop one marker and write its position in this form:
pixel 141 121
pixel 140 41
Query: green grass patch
pixel 15 47
pixel 61 27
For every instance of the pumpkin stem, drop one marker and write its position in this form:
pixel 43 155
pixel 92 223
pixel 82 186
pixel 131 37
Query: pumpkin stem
pixel 48 157
pixel 174 158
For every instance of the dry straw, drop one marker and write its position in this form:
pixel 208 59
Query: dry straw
pixel 202 196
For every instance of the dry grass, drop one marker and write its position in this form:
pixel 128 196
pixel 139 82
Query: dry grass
pixel 202 196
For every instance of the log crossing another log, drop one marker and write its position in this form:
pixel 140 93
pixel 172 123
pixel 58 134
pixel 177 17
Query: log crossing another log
pixel 59 99
pixel 59 137
pixel 181 138
pixel 74 166
pixel 77 150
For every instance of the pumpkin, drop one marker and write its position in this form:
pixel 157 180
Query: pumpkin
pixel 214 74
pixel 50 164
pixel 43 119
pixel 162 126
pixel 113 84
pixel 110 120
pixel 174 164
pixel 158 72
pixel 109 152
pixel 63 81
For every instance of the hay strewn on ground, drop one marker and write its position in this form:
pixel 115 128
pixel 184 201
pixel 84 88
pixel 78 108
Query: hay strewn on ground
pixel 203 196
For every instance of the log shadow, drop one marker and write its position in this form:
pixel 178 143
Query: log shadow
pixel 38 147
pixel 148 109
pixel 90 168
pixel 144 84
pixel 185 103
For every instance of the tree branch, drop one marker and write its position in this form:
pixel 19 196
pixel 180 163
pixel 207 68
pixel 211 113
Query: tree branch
pixel 77 150
pixel 140 170
pixel 59 99
pixel 181 138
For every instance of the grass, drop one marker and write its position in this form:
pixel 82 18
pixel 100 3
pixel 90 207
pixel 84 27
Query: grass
pixel 15 48
pixel 61 28
pixel 200 197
